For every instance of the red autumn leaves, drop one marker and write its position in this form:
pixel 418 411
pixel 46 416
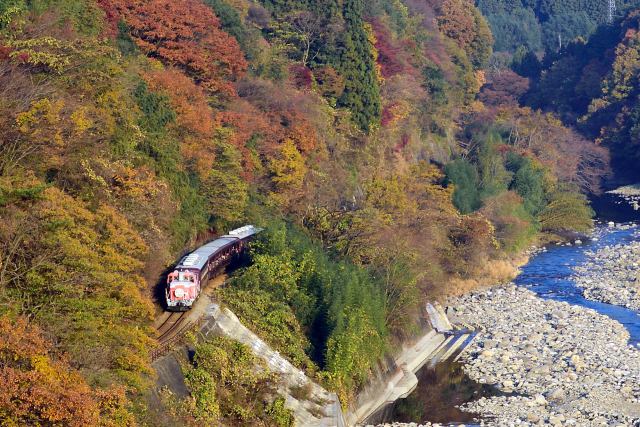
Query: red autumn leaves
pixel 185 34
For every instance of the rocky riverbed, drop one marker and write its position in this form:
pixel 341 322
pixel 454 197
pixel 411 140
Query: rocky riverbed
pixel 629 194
pixel 559 364
pixel 612 275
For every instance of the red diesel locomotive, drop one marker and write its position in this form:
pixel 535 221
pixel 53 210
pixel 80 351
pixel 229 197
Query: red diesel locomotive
pixel 192 272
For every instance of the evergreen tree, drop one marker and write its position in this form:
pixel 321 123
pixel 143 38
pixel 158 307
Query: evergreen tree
pixel 356 64
pixel 526 63
pixel 464 176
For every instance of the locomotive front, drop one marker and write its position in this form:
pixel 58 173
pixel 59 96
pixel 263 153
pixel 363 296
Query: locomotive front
pixel 183 285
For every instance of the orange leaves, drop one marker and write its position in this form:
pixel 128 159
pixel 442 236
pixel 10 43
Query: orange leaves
pixel 186 34
pixel 36 389
pixel 299 130
pixel 187 100
pixel 19 341
pixel 457 22
pixel 39 388
pixel 194 117
pixel 270 129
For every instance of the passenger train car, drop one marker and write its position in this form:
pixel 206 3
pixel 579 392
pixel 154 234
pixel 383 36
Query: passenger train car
pixel 195 269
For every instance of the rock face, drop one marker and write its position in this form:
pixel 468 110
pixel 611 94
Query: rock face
pixel 612 275
pixel 561 364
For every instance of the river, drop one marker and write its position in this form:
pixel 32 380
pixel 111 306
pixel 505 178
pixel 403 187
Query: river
pixel 549 275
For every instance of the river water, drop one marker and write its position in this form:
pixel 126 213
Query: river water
pixel 549 275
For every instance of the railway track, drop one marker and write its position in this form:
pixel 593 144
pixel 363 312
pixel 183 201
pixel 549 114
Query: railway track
pixel 170 327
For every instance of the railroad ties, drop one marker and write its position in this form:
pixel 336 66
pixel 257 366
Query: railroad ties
pixel 169 332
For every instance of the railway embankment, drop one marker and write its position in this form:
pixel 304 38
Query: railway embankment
pixel 317 407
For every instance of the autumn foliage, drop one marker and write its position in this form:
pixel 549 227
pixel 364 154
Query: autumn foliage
pixel 186 34
pixel 40 389
pixel 131 131
pixel 194 118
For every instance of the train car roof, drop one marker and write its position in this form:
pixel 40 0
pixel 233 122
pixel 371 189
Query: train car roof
pixel 244 232
pixel 198 258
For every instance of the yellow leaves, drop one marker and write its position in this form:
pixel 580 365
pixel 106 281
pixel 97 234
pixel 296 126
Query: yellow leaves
pixel 477 106
pixel 288 168
pixel 91 279
pixel 389 194
pixel 80 121
pixel 92 175
pixel 127 245
pixel 42 51
pixel 43 111
pixel 481 78
pixel 83 64
pixel 42 364
pixel 12 16
pixel 371 36
pixel 139 184
pixel 41 127
pixel 624 75
pixel 553 120
pixel 597 105
pixel 38 389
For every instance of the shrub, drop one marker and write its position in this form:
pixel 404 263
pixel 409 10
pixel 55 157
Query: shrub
pixel 567 210
pixel 272 320
pixel 528 182
pixel 515 227
pixel 464 176
pixel 230 386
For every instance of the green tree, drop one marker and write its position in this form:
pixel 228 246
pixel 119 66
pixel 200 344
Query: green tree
pixel 560 30
pixel 494 176
pixel 517 28
pixel 232 23
pixel 354 61
pixel 464 176
pixel 227 192
pixel 567 210
pixel 528 182
pixel 526 63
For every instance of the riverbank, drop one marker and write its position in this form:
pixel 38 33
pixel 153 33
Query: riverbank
pixel 565 364
pixel 627 190
pixel 612 275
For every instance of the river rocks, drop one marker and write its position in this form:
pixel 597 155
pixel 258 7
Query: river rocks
pixel 556 396
pixel 612 275
pixel 561 364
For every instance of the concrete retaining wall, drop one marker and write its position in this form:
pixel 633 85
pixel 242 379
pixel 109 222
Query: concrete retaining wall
pixel 438 344
pixel 319 409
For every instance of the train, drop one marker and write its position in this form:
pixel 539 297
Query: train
pixel 185 282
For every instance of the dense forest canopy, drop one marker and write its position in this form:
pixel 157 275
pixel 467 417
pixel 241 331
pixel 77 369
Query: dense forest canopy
pixel 547 24
pixel 590 84
pixel 356 133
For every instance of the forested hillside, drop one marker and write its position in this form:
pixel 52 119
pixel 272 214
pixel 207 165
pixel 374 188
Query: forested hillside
pixel 547 25
pixel 593 85
pixel 355 132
